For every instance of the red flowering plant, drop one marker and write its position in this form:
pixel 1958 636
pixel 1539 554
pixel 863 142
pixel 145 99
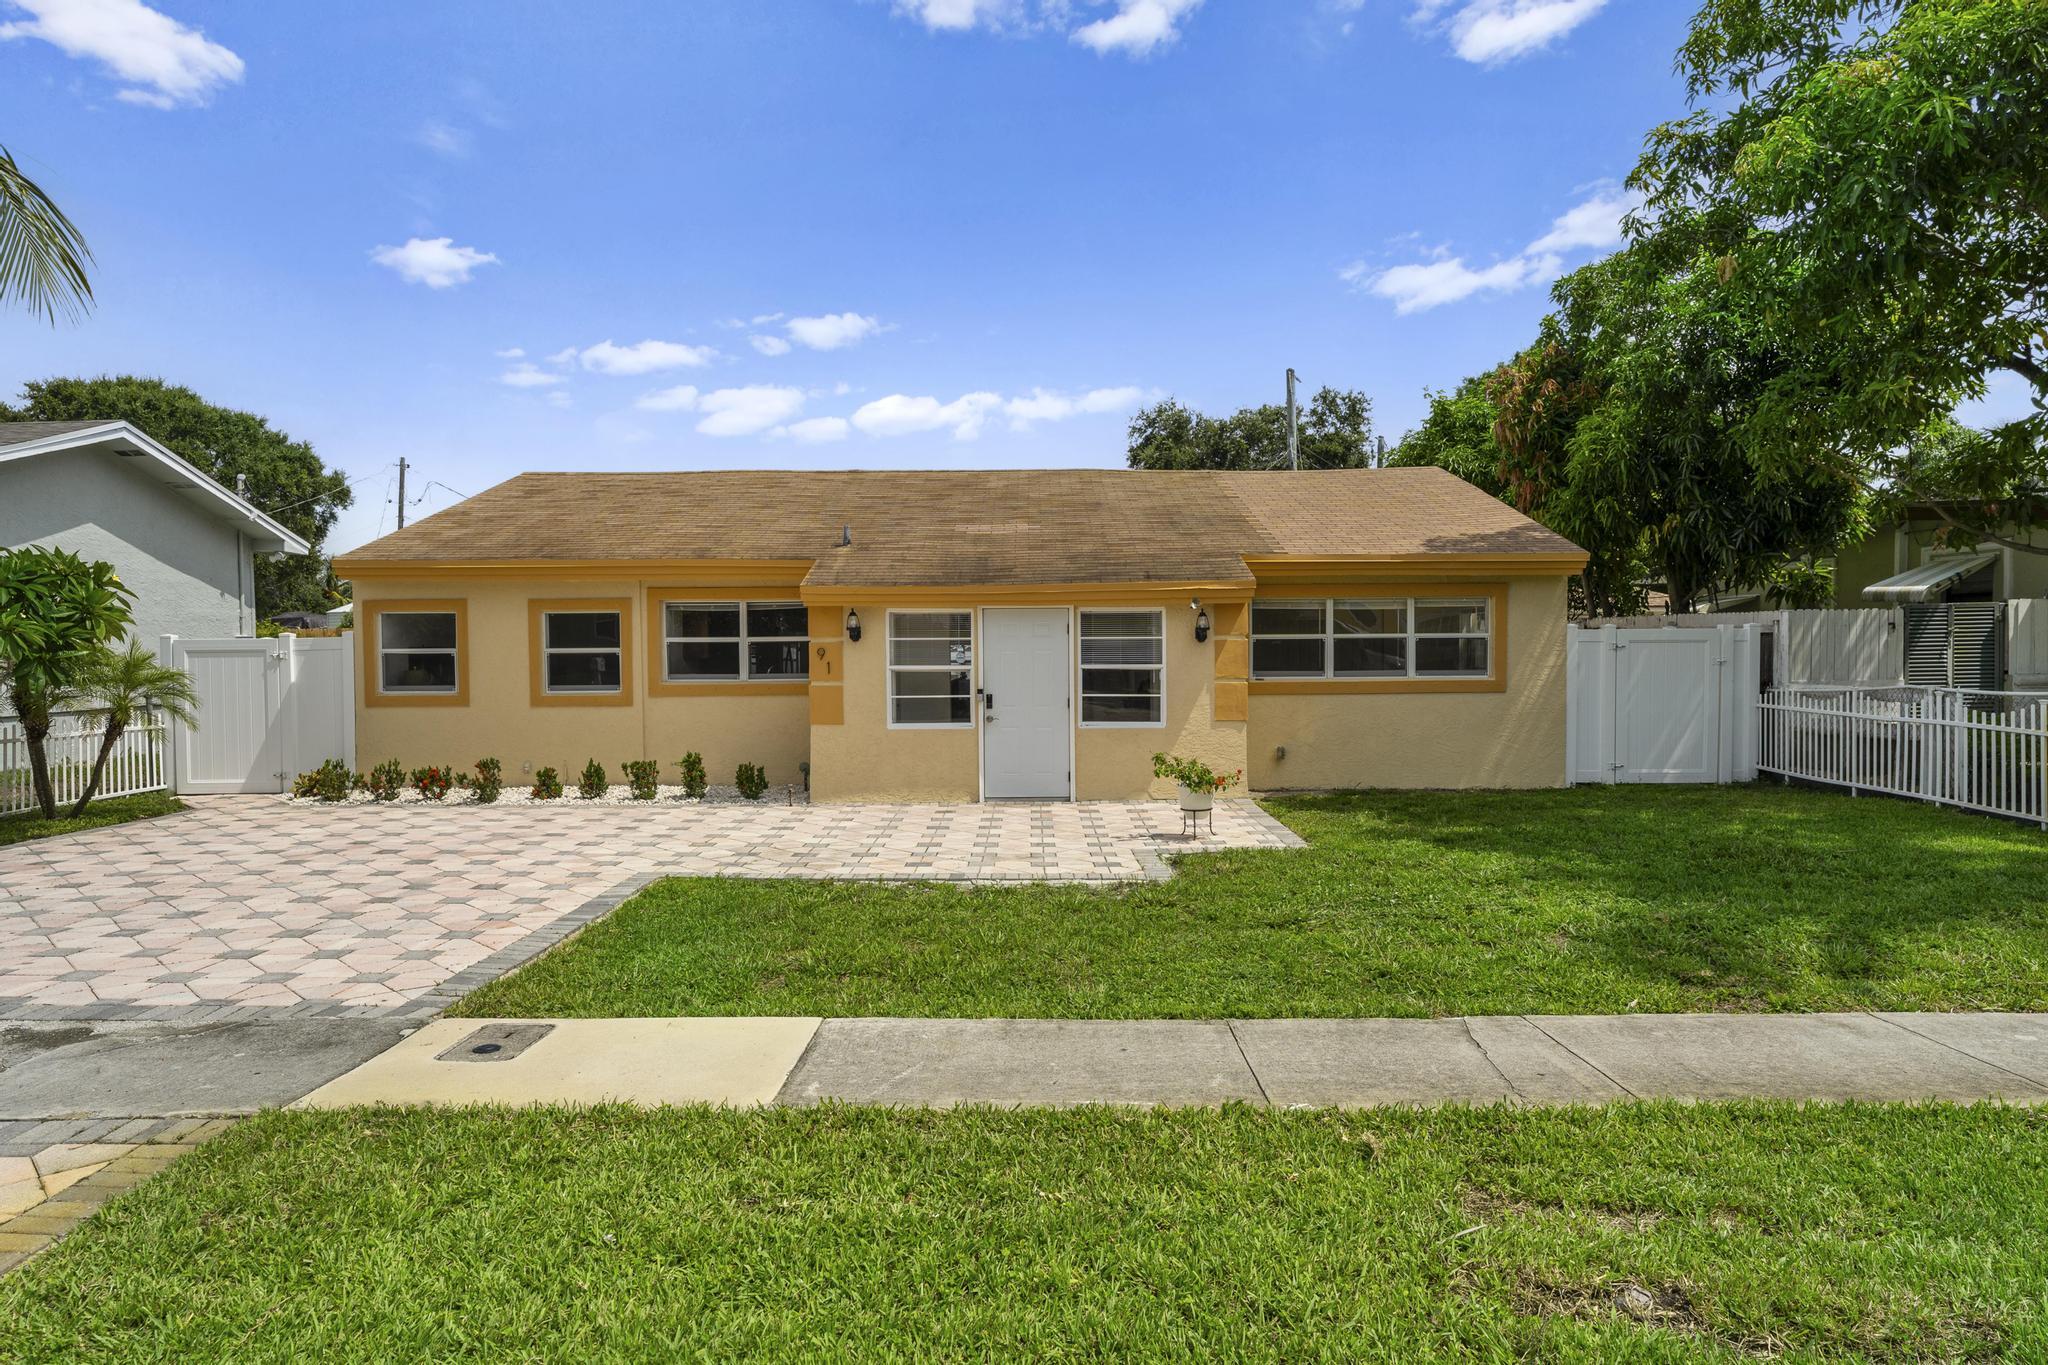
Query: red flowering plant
pixel 433 782
pixel 1193 774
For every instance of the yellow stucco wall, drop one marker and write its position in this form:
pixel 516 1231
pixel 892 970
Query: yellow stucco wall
pixel 1510 738
pixel 1513 737
pixel 862 759
pixel 501 721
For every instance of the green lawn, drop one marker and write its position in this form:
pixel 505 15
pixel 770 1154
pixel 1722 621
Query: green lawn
pixel 1875 1232
pixel 1593 900
pixel 118 810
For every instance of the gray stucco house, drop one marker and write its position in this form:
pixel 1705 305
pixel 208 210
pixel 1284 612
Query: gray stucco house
pixel 184 545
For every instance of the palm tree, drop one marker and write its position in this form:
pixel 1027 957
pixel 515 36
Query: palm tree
pixel 123 681
pixel 42 256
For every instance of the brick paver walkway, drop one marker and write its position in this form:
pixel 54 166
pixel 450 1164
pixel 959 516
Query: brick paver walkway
pixel 250 906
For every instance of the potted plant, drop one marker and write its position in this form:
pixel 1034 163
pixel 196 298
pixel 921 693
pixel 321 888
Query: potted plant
pixel 1198 782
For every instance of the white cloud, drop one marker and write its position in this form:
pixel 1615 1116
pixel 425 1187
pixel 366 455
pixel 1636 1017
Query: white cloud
pixel 1414 288
pixel 166 63
pixel 956 15
pixel 565 356
pixel 642 357
pixel 1137 27
pixel 1592 224
pixel 902 415
pixel 1494 31
pixel 745 411
pixel 1595 223
pixel 681 398
pixel 511 353
pixel 556 398
pixel 1047 405
pixel 832 331
pixel 768 345
pixel 435 262
pixel 444 138
pixel 527 375
pixel 817 430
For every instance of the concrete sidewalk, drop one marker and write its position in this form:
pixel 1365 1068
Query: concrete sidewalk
pixel 1533 1060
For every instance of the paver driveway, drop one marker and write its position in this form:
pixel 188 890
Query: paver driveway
pixel 249 906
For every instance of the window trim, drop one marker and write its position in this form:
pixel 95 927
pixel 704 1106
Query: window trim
pixel 890 668
pixel 1495 594
pixel 370 637
pixel 657 681
pixel 1081 668
pixel 745 638
pixel 537 612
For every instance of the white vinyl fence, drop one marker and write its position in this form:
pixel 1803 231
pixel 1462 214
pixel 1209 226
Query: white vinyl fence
pixel 136 764
pixel 1982 751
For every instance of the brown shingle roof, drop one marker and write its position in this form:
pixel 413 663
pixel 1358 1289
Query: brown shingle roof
pixel 915 528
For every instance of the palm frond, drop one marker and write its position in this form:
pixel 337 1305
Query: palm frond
pixel 43 257
pixel 125 680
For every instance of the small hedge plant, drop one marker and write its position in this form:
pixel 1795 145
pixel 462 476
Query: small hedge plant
pixel 432 782
pixel 751 780
pixel 489 780
pixel 331 781
pixel 642 775
pixel 594 781
pixel 695 784
pixel 385 781
pixel 547 785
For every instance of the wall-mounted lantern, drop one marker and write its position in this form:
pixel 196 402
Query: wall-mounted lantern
pixel 1201 620
pixel 852 625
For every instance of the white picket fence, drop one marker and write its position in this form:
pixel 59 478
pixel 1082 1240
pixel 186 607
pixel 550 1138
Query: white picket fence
pixel 1982 751
pixel 136 765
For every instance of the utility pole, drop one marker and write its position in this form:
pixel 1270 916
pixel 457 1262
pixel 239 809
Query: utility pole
pixel 1293 441
pixel 401 492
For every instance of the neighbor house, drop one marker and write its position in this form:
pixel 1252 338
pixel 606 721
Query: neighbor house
pixel 183 544
pixel 1973 618
pixel 953 636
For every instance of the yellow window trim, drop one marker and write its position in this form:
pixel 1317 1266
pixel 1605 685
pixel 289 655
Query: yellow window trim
pixel 369 629
pixel 538 607
pixel 658 684
pixel 1496 638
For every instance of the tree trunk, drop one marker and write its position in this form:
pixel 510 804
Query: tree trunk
pixel 99 765
pixel 35 728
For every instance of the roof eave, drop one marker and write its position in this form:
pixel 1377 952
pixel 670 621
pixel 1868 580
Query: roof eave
pixel 266 535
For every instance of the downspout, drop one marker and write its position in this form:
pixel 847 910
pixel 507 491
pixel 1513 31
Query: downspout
pixel 243 590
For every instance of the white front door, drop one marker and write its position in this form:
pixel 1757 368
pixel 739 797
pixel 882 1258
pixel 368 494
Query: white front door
pixel 1027 722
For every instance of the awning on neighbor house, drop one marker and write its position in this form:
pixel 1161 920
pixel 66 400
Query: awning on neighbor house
pixel 1928 581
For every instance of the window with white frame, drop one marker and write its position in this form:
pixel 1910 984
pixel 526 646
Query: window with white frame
pixel 1123 668
pixel 735 641
pixel 416 651
pixel 1376 637
pixel 580 651
pixel 931 669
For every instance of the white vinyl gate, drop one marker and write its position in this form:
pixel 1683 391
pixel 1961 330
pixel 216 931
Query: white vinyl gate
pixel 1662 705
pixel 268 710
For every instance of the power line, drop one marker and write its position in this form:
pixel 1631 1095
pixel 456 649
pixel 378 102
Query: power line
pixel 273 511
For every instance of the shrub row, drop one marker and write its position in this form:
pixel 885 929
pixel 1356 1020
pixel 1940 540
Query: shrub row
pixel 333 780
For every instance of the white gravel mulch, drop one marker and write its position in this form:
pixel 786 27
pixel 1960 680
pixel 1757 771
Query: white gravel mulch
pixel 521 795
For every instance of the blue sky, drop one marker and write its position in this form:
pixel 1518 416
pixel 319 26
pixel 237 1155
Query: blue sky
pixel 811 233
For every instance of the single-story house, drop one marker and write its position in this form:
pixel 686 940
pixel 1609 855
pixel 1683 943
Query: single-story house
pixel 183 544
pixel 964 635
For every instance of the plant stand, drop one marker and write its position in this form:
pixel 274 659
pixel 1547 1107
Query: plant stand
pixel 1196 808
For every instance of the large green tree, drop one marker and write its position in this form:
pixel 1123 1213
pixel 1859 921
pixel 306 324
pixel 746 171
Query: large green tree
pixel 43 258
pixel 1333 432
pixel 1628 429
pixel 282 477
pixel 1868 176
